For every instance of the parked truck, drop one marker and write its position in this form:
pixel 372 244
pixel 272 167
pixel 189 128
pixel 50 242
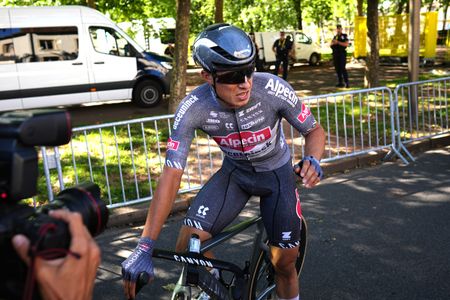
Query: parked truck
pixel 303 48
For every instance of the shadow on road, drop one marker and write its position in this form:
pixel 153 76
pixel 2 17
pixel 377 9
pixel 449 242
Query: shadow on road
pixel 375 233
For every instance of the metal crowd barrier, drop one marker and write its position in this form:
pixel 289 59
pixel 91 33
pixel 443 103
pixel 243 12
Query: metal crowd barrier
pixel 355 122
pixel 126 158
pixel 422 110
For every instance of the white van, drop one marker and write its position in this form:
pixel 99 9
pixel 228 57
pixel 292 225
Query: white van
pixel 303 50
pixel 52 56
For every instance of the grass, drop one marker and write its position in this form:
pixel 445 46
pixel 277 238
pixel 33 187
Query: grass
pixel 111 155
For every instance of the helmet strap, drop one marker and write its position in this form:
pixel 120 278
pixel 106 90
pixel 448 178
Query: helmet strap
pixel 214 85
pixel 222 102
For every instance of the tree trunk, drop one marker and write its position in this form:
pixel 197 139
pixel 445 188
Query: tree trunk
pixel 298 12
pixel 372 66
pixel 445 15
pixel 178 82
pixel 91 3
pixel 359 7
pixel 218 18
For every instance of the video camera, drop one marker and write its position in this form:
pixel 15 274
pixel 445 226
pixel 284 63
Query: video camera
pixel 20 132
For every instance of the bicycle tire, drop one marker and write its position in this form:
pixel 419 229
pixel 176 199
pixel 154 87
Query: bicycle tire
pixel 262 279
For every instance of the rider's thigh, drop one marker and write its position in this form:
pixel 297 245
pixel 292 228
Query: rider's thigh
pixel 283 259
pixel 184 235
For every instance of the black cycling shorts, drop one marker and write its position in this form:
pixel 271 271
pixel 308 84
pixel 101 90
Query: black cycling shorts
pixel 223 197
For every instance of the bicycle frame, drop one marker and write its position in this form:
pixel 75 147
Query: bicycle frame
pixel 194 273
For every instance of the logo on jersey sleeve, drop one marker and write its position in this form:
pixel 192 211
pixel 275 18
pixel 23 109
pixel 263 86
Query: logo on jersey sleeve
pixel 183 109
pixel 174 164
pixel 304 114
pixel 172 144
pixel 245 141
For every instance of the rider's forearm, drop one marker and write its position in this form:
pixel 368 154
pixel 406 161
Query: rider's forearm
pixel 162 202
pixel 315 142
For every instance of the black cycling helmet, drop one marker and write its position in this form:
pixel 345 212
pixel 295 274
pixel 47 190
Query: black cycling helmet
pixel 223 47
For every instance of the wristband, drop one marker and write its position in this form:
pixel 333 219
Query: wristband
pixel 146 244
pixel 315 163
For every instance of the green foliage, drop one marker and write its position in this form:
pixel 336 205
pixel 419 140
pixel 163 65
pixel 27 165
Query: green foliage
pixel 317 11
pixel 263 15
pixel 117 10
pixel 202 15
pixel 251 15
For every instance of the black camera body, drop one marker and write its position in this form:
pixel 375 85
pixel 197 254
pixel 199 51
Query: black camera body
pixel 20 133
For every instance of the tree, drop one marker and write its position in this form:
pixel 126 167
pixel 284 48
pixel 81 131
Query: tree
pixel 318 10
pixel 91 3
pixel 402 7
pixel 298 11
pixel 445 5
pixel 372 65
pixel 218 18
pixel 178 82
pixel 359 7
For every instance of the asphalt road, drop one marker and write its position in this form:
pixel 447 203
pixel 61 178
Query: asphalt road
pixel 376 233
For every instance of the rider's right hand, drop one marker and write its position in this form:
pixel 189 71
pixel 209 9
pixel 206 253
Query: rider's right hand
pixel 140 261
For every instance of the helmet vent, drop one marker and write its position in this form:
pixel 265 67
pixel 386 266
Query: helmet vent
pixel 224 53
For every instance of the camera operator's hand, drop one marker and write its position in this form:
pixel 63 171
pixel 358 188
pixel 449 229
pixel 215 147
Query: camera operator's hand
pixel 137 264
pixel 309 170
pixel 73 276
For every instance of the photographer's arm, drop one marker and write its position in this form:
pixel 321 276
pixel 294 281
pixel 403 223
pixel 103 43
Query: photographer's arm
pixel 141 259
pixel 73 276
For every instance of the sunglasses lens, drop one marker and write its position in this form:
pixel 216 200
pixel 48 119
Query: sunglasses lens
pixel 235 76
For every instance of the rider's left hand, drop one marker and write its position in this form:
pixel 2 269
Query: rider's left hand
pixel 309 170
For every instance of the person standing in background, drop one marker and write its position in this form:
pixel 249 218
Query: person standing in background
pixel 339 45
pixel 282 47
pixel 258 61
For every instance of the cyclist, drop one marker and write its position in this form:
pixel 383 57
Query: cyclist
pixel 242 111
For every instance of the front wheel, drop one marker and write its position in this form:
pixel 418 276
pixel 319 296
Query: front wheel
pixel 262 279
pixel 314 59
pixel 147 93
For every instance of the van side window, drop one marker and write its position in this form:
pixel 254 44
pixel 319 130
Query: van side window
pixel 108 41
pixel 303 38
pixel 7 54
pixel 25 45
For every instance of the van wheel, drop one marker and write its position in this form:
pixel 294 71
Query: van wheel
pixel 314 59
pixel 147 93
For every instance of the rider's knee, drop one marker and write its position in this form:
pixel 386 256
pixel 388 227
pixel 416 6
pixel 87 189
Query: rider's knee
pixel 185 234
pixel 283 261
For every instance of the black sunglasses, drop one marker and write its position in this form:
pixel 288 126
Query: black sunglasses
pixel 235 77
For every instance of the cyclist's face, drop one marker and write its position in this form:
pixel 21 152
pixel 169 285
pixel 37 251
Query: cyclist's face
pixel 235 95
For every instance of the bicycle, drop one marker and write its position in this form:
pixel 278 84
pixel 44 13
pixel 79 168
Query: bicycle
pixel 254 281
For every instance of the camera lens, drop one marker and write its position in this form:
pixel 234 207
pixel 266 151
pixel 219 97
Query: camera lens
pixel 85 199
